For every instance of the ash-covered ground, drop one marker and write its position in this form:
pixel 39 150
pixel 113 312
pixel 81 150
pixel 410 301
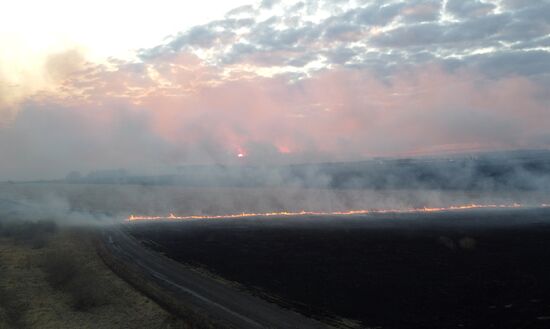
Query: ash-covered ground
pixel 458 269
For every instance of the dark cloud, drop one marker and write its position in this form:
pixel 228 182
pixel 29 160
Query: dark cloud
pixel 422 11
pixel 342 31
pixel 200 36
pixel 476 30
pixel 518 63
pixel 341 55
pixel 268 4
pixel 468 33
pixel 528 23
pixel 238 52
pixel 234 24
pixel 543 42
pixel 378 15
pixel 414 33
pixel 302 61
pixel 469 8
pixel 242 10
pixel 521 4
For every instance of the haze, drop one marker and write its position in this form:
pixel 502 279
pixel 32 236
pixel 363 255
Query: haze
pixel 270 82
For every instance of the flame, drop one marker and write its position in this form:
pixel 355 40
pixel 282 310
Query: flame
pixel 172 216
pixel 241 152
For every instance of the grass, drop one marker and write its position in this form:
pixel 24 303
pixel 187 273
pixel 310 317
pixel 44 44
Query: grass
pixel 64 272
pixel 10 309
pixel 33 234
pixel 63 283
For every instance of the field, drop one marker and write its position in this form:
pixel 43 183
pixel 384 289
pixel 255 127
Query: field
pixel 467 269
pixel 56 280
pixel 483 268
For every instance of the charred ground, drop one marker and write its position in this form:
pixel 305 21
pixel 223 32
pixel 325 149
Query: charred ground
pixel 441 270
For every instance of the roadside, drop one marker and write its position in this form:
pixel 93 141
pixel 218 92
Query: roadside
pixel 55 279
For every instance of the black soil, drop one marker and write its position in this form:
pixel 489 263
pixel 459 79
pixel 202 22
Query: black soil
pixel 471 269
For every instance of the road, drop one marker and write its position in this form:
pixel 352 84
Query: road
pixel 222 303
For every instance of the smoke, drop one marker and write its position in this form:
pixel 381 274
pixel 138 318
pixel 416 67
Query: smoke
pixel 340 115
pixel 32 204
pixel 225 132
pixel 232 190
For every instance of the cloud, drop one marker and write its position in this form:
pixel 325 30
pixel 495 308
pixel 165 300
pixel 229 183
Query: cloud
pixel 424 11
pixel 295 34
pixel 415 35
pixel 469 8
pixel 378 15
pixel 268 4
pixel 246 10
pixel 524 63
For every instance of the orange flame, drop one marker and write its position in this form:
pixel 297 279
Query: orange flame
pixel 330 213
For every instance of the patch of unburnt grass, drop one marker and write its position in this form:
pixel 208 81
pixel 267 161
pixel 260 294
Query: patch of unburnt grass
pixel 64 272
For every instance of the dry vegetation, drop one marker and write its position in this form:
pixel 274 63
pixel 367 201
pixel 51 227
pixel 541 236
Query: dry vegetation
pixel 53 278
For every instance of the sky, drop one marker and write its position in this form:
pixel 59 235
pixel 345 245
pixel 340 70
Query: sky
pixel 150 86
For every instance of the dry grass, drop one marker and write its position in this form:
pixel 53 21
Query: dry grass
pixel 64 284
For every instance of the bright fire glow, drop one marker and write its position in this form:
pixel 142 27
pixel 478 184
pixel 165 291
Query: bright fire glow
pixel 331 213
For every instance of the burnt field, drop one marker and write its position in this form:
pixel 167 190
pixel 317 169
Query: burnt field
pixel 457 269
